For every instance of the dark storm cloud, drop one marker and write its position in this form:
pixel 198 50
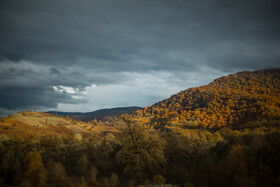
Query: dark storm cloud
pixel 28 86
pixel 31 97
pixel 116 34
pixel 79 43
pixel 54 71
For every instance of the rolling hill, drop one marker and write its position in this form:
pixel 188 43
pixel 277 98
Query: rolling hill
pixel 39 124
pixel 233 101
pixel 102 115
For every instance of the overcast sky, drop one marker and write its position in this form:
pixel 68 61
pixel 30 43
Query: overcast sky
pixel 84 55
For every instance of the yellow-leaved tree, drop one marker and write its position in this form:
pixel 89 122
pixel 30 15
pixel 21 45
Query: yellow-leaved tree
pixel 34 170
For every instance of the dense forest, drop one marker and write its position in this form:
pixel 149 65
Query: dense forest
pixel 224 134
pixel 138 155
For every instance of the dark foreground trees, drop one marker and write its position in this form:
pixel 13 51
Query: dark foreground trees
pixel 141 151
pixel 138 155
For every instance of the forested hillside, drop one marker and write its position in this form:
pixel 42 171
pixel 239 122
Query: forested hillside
pixel 231 101
pixel 224 134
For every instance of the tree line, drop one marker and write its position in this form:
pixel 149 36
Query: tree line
pixel 143 156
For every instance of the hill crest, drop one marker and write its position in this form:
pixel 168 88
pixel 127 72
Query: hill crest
pixel 231 100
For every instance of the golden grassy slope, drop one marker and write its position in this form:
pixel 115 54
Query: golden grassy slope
pixel 37 123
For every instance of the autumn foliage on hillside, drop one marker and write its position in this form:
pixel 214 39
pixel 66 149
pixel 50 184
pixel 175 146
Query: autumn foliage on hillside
pixel 232 101
pixel 224 134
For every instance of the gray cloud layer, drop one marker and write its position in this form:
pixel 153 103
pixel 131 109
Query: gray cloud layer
pixel 79 43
